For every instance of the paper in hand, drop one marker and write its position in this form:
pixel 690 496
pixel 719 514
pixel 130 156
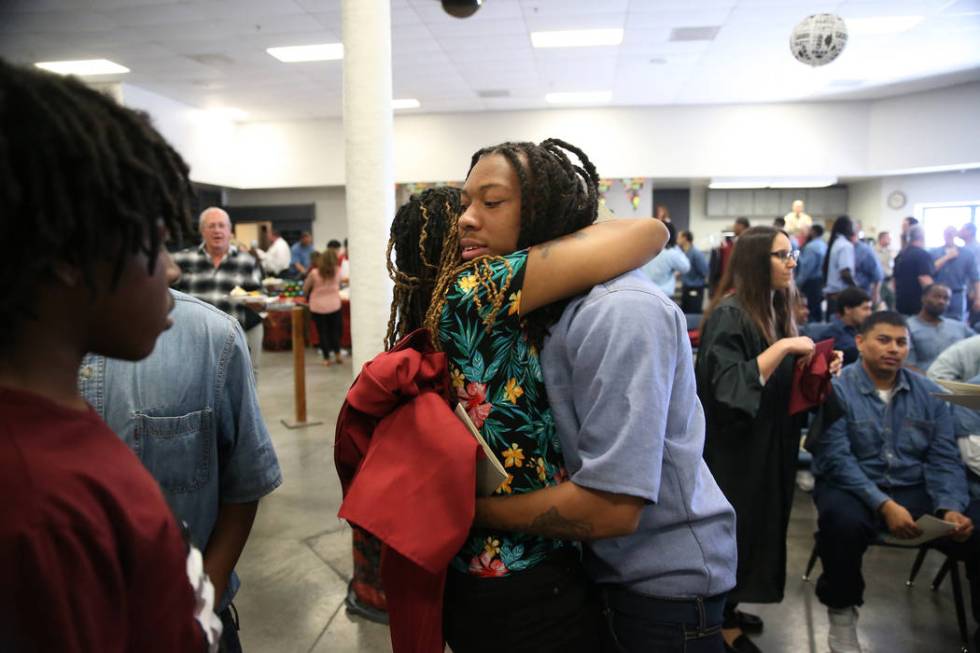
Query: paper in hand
pixel 963 394
pixel 490 472
pixel 931 527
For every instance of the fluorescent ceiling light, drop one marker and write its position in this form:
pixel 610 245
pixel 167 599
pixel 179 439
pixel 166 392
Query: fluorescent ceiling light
pixel 229 113
pixel 769 182
pixel 83 67
pixel 723 184
pixel 406 103
pixel 882 24
pixel 577 38
pixel 315 52
pixel 804 182
pixel 579 97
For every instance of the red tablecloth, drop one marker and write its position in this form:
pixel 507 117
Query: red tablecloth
pixel 279 334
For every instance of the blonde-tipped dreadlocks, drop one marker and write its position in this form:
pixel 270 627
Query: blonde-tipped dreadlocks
pixel 425 241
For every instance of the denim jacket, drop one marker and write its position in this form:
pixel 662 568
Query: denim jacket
pixel 190 413
pixel 907 442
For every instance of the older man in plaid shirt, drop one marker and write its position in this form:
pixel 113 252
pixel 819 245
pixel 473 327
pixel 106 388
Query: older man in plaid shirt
pixel 212 270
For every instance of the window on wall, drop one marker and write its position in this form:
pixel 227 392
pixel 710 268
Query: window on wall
pixel 936 216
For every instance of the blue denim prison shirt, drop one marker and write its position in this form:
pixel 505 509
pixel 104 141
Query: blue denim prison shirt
pixel 841 258
pixel 958 275
pixel 867 267
pixel 877 446
pixel 927 341
pixel 190 413
pixel 810 265
pixel 620 379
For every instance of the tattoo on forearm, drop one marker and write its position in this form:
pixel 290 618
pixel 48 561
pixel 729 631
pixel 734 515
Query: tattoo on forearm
pixel 550 523
pixel 546 247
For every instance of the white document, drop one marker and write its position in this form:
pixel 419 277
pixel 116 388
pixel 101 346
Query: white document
pixel 490 471
pixel 958 388
pixel 964 394
pixel 931 527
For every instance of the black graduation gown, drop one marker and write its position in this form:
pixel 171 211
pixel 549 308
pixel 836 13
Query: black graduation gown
pixel 751 446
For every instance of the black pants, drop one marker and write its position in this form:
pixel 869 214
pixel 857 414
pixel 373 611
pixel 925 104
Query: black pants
pixel 637 624
pixel 548 608
pixel 328 327
pixel 847 526
pixel 813 291
pixel 692 300
pixel 229 634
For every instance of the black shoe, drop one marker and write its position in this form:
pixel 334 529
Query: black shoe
pixel 749 623
pixel 368 612
pixel 742 644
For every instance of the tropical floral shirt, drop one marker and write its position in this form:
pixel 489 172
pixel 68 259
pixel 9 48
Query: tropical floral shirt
pixel 498 378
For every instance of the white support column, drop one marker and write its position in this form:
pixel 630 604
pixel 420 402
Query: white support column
pixel 370 171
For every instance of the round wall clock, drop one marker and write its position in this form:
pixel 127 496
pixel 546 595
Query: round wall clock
pixel 896 199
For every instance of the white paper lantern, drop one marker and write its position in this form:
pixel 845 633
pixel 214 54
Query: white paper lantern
pixel 819 39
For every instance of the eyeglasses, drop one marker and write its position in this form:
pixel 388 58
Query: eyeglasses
pixel 785 256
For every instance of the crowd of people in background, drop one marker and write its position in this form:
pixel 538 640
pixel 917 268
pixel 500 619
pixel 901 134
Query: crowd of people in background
pixel 895 317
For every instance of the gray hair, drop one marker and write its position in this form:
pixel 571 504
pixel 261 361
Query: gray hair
pixel 211 209
pixel 916 233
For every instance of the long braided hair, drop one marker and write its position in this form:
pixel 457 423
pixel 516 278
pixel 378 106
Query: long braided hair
pixel 83 180
pixel 425 242
pixel 558 197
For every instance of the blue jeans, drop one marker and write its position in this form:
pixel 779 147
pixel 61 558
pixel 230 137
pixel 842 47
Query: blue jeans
pixel 635 623
pixel 847 527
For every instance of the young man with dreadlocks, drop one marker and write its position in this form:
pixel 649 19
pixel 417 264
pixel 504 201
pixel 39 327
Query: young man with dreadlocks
pixel 90 555
pixel 658 533
pixel 511 591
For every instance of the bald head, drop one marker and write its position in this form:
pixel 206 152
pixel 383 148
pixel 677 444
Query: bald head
pixel 215 227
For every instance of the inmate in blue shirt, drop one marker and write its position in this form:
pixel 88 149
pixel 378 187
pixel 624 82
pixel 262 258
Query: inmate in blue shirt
pixel 620 380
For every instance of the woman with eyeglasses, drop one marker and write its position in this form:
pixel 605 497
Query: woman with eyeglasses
pixel 749 344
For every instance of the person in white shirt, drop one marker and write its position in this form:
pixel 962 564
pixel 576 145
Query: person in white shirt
pixel 275 259
pixel 797 219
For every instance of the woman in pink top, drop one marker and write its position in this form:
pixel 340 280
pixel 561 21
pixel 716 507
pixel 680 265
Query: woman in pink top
pixel 322 287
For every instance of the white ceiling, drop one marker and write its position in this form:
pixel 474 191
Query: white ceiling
pixel 211 53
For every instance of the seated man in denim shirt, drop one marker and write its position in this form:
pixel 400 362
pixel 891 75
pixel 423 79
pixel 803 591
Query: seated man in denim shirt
pixel 890 459
pixel 659 533
pixel 190 413
pixel 930 333
pixel 853 308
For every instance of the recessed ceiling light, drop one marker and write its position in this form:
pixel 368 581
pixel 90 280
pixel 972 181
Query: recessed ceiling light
pixel 83 67
pixel 577 38
pixel 803 182
pixel 882 24
pixel 315 52
pixel 777 182
pixel 579 97
pixel 229 113
pixel 405 103
pixel 720 184
pixel 694 33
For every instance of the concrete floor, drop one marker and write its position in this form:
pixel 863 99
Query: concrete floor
pixel 298 560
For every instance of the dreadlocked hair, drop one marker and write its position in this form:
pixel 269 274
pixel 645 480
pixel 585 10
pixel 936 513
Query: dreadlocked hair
pixel 558 197
pixel 425 242
pixel 83 180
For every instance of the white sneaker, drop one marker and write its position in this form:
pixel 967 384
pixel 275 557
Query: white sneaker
pixel 843 636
